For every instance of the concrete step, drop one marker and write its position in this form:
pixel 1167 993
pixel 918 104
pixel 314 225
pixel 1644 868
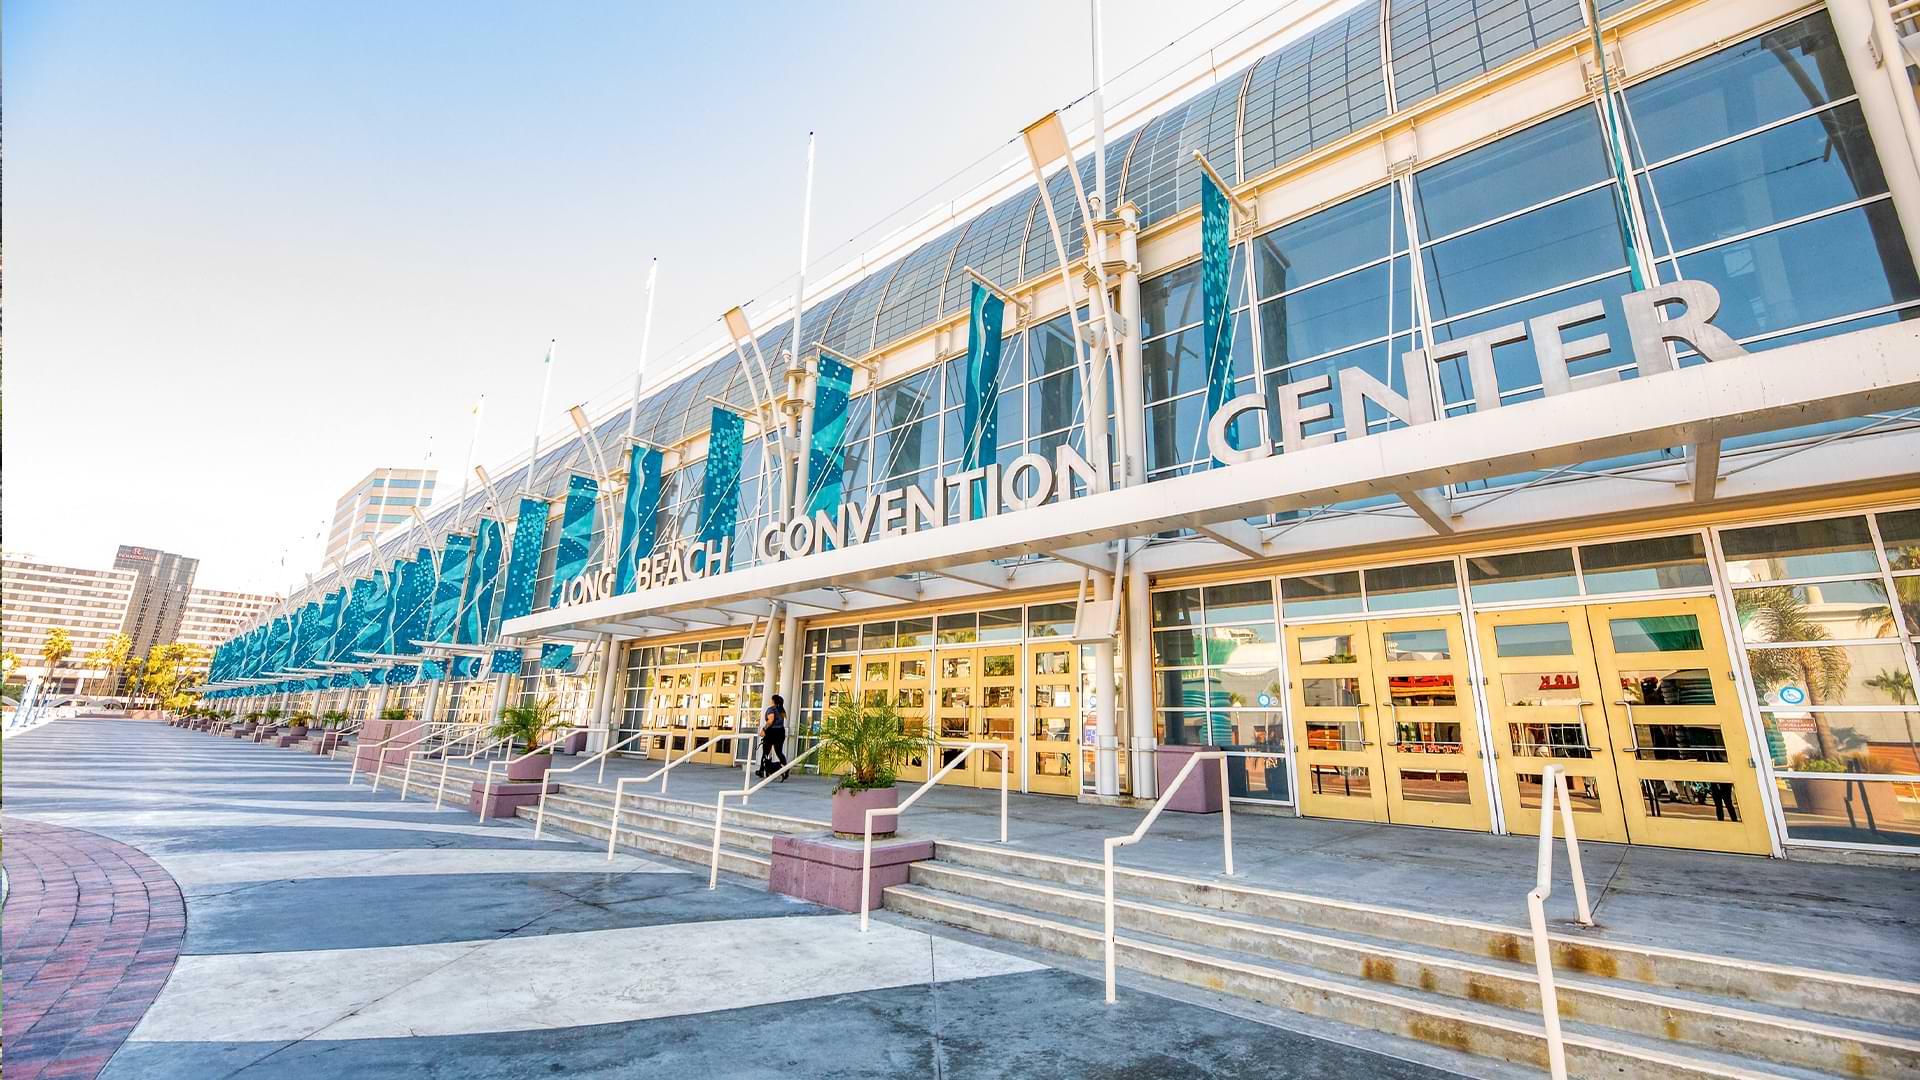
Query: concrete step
pixel 744 816
pixel 1611 1008
pixel 1412 1015
pixel 1857 997
pixel 678 848
pixel 731 836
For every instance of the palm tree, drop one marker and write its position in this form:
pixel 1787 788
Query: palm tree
pixel 1778 613
pixel 57 647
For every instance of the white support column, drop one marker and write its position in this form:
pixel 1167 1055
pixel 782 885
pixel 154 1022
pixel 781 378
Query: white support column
pixel 1106 779
pixel 601 734
pixel 1139 640
pixel 379 703
pixel 1878 67
pixel 790 661
pixel 1131 380
pixel 430 704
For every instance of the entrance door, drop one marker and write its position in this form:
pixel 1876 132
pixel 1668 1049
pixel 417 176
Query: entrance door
pixel 1335 723
pixel 1544 698
pixel 979 701
pixel 674 697
pixel 1687 775
pixel 1053 710
pixel 1384 722
pixel 907 683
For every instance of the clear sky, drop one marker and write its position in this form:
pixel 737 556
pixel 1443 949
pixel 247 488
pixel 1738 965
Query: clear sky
pixel 254 250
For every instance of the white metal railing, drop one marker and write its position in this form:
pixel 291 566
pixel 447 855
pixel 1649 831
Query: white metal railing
pixel 486 785
pixel 434 731
pixel 1159 805
pixel 1553 788
pixel 540 815
pixel 380 747
pixel 440 792
pixel 474 732
pixel 720 806
pixel 866 841
pixel 620 785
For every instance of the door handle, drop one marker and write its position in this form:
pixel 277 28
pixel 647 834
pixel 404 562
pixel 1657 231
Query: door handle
pixel 1395 721
pixel 1633 733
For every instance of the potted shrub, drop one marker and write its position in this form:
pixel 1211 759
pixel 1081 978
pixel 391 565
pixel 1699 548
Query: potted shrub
pixel 298 725
pixel 866 744
pixel 248 723
pixel 529 725
pixel 269 723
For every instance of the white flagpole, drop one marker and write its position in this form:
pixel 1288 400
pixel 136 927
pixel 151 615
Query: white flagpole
pixel 646 341
pixel 473 443
pixel 546 388
pixel 1099 120
pixel 796 383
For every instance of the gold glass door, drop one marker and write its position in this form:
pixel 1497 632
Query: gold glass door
pixel 956 672
pixel 1429 740
pixel 1331 687
pixel 1687 774
pixel 1053 719
pixel 909 680
pixel 999 717
pixel 1543 698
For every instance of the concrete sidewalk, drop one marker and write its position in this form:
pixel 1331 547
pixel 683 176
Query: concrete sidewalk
pixel 1863 919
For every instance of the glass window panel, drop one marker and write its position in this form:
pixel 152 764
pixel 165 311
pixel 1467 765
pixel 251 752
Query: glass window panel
pixel 1346 780
pixel 1851 811
pixel 1831 675
pixel 1416 645
pixel 1320 594
pixel 910 671
pixel 1053 402
pixel 1823 612
pixel 1250 643
pixel 1655 633
pixel 913 633
pixel 1543 689
pixel 1798 549
pixel 843 639
pixel 1421 585
pixel 1001 624
pixel 1767 283
pixel 1796 169
pixel 1240 601
pixel 1180 689
pixel 1533 639
pixel 1335 314
pixel 1351 234
pixel 1176 432
pixel 876 635
pixel 1176 607
pixel 1434 787
pixel 1779 73
pixel 1515 366
pixel 1418 691
pixel 1244 687
pixel 1170 301
pixel 1856 742
pixel 1522 575
pixel 1569 240
pixel 1583 792
pixel 1051 347
pixel 1327 649
pixel 1667 686
pixel 1679 742
pixel 999 666
pixel 1174 364
pixel 1520 170
pixel 959 629
pixel 1693 799
pixel 1050 620
pixel 1908 589
pixel 907 399
pixel 907 450
pixel 1330 693
pixel 1663 562
pixel 1900 532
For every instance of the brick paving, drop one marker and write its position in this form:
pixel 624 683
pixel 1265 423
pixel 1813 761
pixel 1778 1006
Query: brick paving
pixel 89 935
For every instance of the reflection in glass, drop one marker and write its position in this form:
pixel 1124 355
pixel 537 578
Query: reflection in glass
pixel 1050 662
pixel 1819 612
pixel 1428 737
pixel 1900 534
pixel 877 635
pixel 1176 607
pixel 911 670
pixel 1421 690
pixel 1699 800
pixel 956 667
pixel 1542 689
pixel 1533 639
pixel 1434 787
pixel 998 666
pixel 1831 675
pixel 1522 575
pixel 1335 735
pixel 1679 742
pixel 1413 645
pixel 913 633
pixel 958 629
pixel 1674 686
pixel 1330 693
pixel 1330 649
pixel 1347 780
pixel 1423 585
pixel 1001 625
pixel 1661 562
pixel 1583 792
pixel 1320 594
pixel 1050 620
pixel 1799 549
pixel 1656 633
pixel 1240 602
pixel 1851 811
pixel 1567 740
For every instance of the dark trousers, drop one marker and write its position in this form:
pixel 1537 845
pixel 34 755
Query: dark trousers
pixel 773 745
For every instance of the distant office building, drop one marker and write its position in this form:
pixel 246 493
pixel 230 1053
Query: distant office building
pixel 213 616
pixel 162 583
pixel 91 605
pixel 378 502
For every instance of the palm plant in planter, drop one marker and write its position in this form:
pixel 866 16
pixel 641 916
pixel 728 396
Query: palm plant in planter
pixel 298 725
pixel 866 745
pixel 333 719
pixel 249 722
pixel 529 725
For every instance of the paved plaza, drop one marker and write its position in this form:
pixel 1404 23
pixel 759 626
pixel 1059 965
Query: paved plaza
pixel 331 932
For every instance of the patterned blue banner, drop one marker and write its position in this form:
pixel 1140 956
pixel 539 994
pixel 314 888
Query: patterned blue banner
pixel 331 612
pixel 351 618
pixel 505 662
pixel 390 612
pixel 373 629
pixel 576 533
pixel 476 609
pixel 340 680
pixel 412 602
pixel 523 565
pixel 451 585
pixel 1216 265
pixel 402 674
pixel 433 670
pixel 720 487
pixel 556 657
pixel 377 676
pixel 981 405
pixel 638 518
pixel 466 667
pixel 826 457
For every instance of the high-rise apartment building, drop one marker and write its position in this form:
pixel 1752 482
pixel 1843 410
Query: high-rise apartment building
pixel 38 598
pixel 162 583
pixel 378 502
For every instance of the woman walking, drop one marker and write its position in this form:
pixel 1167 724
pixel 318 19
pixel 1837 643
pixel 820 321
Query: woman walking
pixel 773 739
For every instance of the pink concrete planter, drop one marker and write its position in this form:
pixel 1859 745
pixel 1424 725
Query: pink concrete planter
pixel 298 731
pixel 530 768
pixel 827 871
pixel 575 743
pixel 850 811
pixel 504 799
pixel 1201 793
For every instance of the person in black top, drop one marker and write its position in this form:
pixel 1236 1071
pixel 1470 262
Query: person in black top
pixel 773 738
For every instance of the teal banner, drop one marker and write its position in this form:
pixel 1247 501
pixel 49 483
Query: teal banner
pixel 576 533
pixel 720 488
pixel 373 629
pixel 391 614
pixel 331 612
pixel 413 603
pixel 556 657
pixel 638 517
pixel 1216 265
pixel 476 609
pixel 826 457
pixel 523 565
pixel 450 586
pixel 504 662
pixel 983 379
pixel 359 600
pixel 465 667
pixel 433 670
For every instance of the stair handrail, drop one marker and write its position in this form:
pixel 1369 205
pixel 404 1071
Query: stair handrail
pixel 540 815
pixel 1134 837
pixel 1553 784
pixel 720 806
pixel 866 843
pixel 354 772
pixel 620 785
pixel 435 730
pixel 467 731
pixel 440 793
pixel 487 784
